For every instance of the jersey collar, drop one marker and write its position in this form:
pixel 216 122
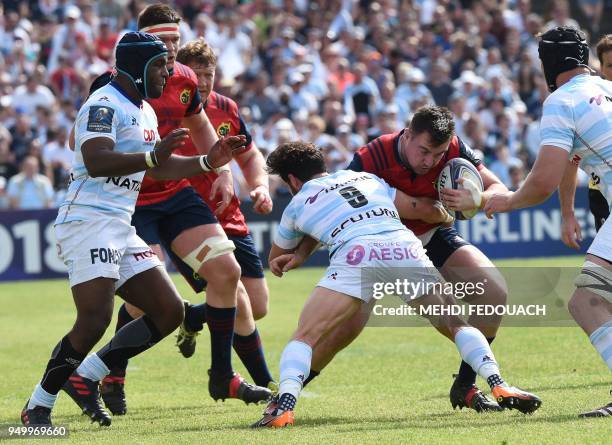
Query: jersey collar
pixel 124 94
pixel 396 151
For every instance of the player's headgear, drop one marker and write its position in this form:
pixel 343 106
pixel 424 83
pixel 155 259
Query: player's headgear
pixel 135 52
pixel 562 49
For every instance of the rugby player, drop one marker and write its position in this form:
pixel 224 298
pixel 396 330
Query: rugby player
pixel 116 142
pixel 252 287
pixel 173 214
pixel 361 214
pixel 411 161
pixel 575 126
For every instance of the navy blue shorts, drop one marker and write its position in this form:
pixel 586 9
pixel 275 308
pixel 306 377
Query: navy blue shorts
pixel 162 222
pixel 443 244
pixel 245 253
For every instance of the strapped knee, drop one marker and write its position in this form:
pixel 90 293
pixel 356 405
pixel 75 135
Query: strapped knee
pixel 596 279
pixel 211 248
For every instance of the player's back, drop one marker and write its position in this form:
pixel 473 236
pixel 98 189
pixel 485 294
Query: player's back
pixel 108 113
pixel 578 118
pixel 343 206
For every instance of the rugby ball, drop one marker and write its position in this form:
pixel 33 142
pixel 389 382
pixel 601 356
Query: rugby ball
pixel 453 170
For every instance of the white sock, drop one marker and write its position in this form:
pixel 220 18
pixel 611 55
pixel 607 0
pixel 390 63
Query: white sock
pixel 601 338
pixel 294 367
pixel 476 352
pixel 93 368
pixel 40 397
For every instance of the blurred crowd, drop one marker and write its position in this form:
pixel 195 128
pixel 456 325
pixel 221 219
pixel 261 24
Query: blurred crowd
pixel 335 72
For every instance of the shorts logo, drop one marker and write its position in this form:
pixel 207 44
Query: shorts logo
pixel 105 255
pixel 224 128
pixel 100 119
pixel 143 255
pixel 184 96
pixel 334 276
pixel 355 255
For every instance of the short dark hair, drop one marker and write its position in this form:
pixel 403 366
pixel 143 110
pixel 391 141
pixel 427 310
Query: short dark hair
pixel 197 51
pixel 603 46
pixel 300 159
pixel 156 14
pixel 436 121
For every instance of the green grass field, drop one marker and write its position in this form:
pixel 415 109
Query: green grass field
pixel 390 386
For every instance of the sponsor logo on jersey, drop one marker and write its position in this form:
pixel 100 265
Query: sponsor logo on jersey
pixel 105 255
pixel 125 182
pixel 149 135
pixel 224 128
pixel 370 214
pixel 185 96
pixel 599 99
pixel 100 119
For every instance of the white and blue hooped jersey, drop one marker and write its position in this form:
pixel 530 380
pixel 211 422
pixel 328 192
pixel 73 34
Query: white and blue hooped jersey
pixel 578 118
pixel 108 113
pixel 338 208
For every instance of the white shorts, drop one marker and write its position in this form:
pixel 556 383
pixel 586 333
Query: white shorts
pixel 602 244
pixel 365 264
pixel 106 247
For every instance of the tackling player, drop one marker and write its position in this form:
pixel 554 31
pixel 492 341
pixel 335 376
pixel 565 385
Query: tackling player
pixel 116 142
pixel 361 214
pixel 172 212
pixel 411 161
pixel 575 126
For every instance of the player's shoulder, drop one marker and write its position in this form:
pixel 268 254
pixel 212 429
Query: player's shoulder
pixel 182 73
pixel 106 98
pixel 224 103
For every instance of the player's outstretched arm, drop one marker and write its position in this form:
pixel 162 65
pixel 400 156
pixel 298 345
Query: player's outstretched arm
pixel 421 208
pixel 571 234
pixel 542 181
pixel 177 167
pixel 101 160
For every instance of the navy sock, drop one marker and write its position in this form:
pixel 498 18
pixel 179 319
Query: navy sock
pixel 123 318
pixel 195 317
pixel 132 339
pixel 220 323
pixel 64 360
pixel 466 374
pixel 251 354
pixel 310 377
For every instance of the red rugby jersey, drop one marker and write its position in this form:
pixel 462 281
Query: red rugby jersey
pixel 180 99
pixel 381 157
pixel 223 115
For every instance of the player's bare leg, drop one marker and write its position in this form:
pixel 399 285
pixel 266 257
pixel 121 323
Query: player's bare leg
pixel 469 264
pixel 155 293
pixel 593 313
pixel 324 310
pixel 475 350
pixel 258 293
pixel 214 261
pixel 94 303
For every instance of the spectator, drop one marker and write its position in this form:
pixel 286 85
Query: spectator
pixel 502 163
pixel 439 84
pixel 29 189
pixel 32 95
pixel 362 96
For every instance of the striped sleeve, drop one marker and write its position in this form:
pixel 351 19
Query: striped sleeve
pixel 557 125
pixel 287 235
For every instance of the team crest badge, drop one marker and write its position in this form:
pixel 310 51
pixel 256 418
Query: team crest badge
pixel 184 97
pixel 224 129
